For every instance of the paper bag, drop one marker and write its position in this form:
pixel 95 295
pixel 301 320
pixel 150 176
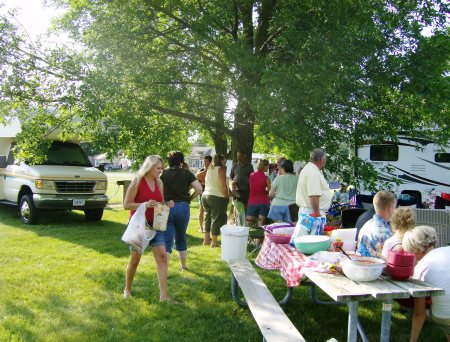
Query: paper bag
pixel 160 218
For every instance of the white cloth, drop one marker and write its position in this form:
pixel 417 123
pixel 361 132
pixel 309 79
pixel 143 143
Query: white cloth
pixel 389 244
pixel 434 268
pixel 311 182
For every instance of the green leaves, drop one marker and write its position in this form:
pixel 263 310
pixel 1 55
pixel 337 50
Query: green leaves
pixel 295 75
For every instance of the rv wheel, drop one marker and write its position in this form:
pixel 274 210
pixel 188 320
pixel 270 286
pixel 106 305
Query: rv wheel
pixel 93 214
pixel 29 214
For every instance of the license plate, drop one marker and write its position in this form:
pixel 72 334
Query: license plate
pixel 78 202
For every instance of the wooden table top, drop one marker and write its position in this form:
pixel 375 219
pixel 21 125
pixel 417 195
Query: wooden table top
pixel 342 289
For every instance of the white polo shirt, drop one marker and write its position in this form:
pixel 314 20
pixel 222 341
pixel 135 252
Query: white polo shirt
pixel 311 182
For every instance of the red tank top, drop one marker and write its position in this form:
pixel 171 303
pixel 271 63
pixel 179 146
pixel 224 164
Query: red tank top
pixel 258 193
pixel 144 193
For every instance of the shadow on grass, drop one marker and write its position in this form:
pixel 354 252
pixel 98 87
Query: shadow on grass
pixel 103 315
pixel 71 226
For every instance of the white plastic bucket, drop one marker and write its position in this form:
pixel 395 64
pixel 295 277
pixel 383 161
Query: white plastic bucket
pixel 234 242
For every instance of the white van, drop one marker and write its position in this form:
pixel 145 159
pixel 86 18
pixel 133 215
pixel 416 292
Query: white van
pixel 418 164
pixel 65 181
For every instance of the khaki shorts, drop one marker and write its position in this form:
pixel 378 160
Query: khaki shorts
pixel 443 323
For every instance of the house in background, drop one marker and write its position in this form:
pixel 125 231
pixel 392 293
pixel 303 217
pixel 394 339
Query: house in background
pixel 199 151
pixel 117 163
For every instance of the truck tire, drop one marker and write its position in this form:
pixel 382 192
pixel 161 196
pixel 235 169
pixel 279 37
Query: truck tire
pixel 93 214
pixel 29 214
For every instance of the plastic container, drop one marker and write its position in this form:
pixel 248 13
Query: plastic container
pixel 310 244
pixel 347 235
pixel 400 272
pixel 362 268
pixel 401 258
pixel 234 242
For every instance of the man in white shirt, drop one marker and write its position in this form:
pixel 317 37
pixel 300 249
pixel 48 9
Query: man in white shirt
pixel 313 193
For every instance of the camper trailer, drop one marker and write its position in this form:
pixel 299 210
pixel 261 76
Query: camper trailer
pixel 419 165
pixel 65 181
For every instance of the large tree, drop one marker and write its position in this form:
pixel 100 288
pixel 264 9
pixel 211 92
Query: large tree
pixel 294 74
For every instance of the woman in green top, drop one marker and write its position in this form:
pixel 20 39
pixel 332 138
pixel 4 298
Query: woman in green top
pixel 282 192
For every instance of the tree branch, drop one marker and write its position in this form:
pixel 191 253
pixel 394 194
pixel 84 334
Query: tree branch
pixel 183 115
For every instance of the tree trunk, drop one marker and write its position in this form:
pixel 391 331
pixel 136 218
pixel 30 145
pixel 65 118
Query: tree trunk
pixel 242 136
pixel 220 143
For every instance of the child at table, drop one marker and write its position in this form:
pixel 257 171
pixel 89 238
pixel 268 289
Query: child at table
pixel 401 221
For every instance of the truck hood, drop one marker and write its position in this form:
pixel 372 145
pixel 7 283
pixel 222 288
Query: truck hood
pixel 62 172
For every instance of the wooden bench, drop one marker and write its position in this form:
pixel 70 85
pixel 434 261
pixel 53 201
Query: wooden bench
pixel 271 319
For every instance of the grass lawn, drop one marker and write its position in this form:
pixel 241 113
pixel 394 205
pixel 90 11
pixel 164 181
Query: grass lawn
pixel 62 280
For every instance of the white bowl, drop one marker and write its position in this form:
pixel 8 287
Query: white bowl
pixel 363 268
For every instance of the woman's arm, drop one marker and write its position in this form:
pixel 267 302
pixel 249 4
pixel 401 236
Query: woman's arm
pixel 223 181
pixel 128 202
pixel 273 189
pixel 418 318
pixel 171 203
pixel 268 184
pixel 198 189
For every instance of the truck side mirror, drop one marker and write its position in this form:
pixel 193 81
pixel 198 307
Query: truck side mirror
pixel 2 162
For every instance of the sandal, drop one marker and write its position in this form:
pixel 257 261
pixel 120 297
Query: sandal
pixel 126 294
pixel 183 268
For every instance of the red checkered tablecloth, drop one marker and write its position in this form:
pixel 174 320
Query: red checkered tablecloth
pixel 291 263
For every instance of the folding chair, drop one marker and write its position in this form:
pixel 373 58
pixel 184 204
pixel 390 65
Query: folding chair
pixel 350 216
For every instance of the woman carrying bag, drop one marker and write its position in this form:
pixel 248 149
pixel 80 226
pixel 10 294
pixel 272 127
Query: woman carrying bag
pixel 147 187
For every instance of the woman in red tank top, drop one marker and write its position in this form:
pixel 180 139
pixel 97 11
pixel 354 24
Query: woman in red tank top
pixel 148 188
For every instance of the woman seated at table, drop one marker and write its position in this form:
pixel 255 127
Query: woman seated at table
pixel 282 192
pixel 433 267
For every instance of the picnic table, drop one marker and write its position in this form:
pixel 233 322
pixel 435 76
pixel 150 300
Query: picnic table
pixel 295 267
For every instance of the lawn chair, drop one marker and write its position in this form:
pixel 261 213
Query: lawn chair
pixel 255 233
pixel 350 216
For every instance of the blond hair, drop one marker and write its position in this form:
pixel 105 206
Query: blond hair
pixel 262 163
pixel 384 199
pixel 419 239
pixel 402 220
pixel 149 162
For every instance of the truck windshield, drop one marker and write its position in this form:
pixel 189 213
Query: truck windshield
pixel 66 153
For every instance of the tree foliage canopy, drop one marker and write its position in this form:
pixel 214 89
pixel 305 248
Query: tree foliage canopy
pixel 292 75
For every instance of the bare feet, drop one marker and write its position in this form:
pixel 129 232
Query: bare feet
pixel 168 299
pixel 214 245
pixel 206 242
pixel 126 293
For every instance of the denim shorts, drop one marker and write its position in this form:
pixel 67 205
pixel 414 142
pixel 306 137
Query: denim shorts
pixel 255 210
pixel 279 213
pixel 158 240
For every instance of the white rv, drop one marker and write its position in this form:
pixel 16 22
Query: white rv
pixel 65 181
pixel 418 164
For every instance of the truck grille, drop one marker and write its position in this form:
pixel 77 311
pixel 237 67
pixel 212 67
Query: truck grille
pixel 75 187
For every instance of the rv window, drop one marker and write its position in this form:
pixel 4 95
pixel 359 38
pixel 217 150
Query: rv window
pixel 442 157
pixel 384 152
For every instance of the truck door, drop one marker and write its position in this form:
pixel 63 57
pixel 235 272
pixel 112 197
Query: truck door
pixel 2 171
pixel 12 178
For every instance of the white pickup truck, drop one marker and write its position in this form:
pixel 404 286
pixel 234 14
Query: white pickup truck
pixel 65 181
